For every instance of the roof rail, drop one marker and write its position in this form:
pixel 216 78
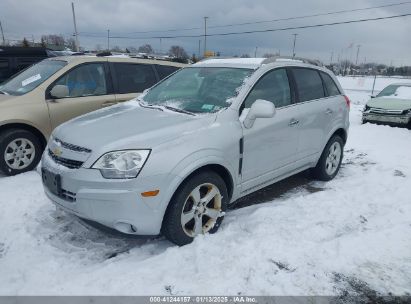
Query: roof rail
pixel 290 58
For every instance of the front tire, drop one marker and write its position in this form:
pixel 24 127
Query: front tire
pixel 196 208
pixel 20 151
pixel 330 160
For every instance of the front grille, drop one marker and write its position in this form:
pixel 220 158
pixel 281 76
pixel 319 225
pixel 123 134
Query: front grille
pixel 383 111
pixel 69 163
pixel 71 146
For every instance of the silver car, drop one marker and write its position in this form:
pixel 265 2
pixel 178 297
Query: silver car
pixel 171 160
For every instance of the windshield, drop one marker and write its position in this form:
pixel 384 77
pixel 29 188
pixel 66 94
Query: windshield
pixel 396 91
pixel 32 77
pixel 198 90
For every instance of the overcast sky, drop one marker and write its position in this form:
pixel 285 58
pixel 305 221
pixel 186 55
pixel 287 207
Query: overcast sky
pixel 383 41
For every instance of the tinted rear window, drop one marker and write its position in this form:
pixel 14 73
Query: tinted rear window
pixel 330 85
pixel 309 84
pixel 165 70
pixel 134 78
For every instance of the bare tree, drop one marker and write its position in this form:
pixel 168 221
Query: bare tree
pixel 57 40
pixel 71 43
pixel 146 49
pixel 269 55
pixel 132 49
pixel 116 48
pixel 25 42
pixel 178 52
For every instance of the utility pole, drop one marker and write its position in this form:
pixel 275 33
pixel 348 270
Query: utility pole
pixel 255 52
pixel 199 49
pixel 205 35
pixel 295 38
pixel 161 48
pixel 108 40
pixel 358 52
pixel 331 59
pixel 2 34
pixel 75 27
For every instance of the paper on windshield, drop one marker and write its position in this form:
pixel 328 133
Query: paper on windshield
pixel 30 80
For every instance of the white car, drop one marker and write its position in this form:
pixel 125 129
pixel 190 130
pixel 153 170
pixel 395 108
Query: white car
pixel 173 159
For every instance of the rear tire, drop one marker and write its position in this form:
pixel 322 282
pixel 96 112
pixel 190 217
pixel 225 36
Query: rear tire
pixel 20 151
pixel 197 207
pixel 330 161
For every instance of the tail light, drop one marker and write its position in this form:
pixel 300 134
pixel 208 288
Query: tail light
pixel 347 100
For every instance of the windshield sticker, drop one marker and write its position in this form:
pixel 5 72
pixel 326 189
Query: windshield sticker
pixel 30 80
pixel 207 107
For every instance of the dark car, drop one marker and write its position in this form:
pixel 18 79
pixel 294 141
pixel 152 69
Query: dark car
pixel 13 59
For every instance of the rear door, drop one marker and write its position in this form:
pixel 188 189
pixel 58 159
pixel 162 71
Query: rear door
pixel 315 109
pixel 131 79
pixel 89 87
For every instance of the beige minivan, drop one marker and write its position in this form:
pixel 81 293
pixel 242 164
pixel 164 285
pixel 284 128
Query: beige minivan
pixel 35 101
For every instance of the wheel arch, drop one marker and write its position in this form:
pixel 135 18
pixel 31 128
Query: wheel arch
pixel 27 127
pixel 222 171
pixel 340 132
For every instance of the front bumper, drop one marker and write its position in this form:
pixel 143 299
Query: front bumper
pixel 117 204
pixel 395 119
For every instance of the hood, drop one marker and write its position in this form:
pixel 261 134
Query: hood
pixel 128 126
pixel 387 103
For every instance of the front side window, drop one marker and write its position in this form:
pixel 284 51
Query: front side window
pixel 309 84
pixel 274 87
pixel 85 80
pixel 31 78
pixel 330 85
pixel 198 89
pixel 134 78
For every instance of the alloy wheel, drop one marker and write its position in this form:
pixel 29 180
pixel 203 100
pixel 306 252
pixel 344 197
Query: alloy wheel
pixel 19 153
pixel 201 210
pixel 333 159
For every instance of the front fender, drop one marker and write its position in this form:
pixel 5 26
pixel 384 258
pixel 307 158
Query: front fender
pixel 191 163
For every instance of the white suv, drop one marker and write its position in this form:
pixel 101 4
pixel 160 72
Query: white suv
pixel 171 160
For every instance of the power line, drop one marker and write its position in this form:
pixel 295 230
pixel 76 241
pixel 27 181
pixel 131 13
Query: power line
pixel 271 20
pixel 264 31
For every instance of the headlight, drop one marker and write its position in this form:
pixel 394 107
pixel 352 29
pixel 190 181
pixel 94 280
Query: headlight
pixel 121 164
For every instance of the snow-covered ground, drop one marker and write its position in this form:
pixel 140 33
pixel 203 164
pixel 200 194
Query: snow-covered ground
pixel 303 237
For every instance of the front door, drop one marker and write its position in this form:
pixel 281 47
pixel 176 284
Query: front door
pixel 271 144
pixel 88 90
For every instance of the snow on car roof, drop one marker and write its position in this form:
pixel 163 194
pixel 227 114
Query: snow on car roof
pixel 235 62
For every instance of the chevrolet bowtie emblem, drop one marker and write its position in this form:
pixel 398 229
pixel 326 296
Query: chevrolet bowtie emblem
pixel 57 151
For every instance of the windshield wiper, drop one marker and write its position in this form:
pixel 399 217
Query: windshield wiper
pixel 2 92
pixel 150 106
pixel 179 110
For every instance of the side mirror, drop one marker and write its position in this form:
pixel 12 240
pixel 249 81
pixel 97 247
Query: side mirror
pixel 59 91
pixel 259 109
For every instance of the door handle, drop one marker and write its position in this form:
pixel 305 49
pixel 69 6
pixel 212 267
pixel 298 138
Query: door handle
pixel 293 122
pixel 329 111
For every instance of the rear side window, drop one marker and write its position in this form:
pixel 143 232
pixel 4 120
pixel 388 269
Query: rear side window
pixel 309 84
pixel 165 70
pixel 134 78
pixel 330 85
